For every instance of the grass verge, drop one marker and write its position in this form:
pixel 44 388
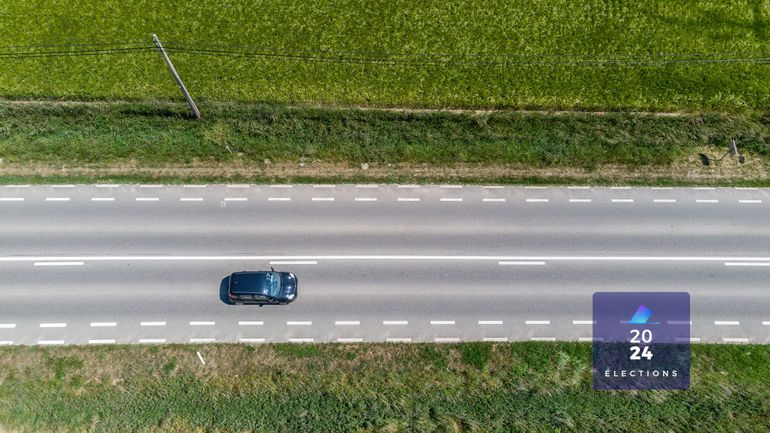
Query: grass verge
pixel 156 141
pixel 554 54
pixel 526 386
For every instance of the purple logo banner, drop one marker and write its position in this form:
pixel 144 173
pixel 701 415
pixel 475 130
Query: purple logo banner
pixel 641 340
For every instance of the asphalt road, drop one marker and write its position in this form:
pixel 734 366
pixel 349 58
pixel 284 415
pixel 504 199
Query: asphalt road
pixel 126 264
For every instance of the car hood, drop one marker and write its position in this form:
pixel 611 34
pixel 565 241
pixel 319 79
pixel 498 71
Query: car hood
pixel 289 283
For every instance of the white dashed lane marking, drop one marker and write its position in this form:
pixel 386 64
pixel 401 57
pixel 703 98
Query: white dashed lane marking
pixel 350 340
pixel 148 199
pixel 726 323
pixel 446 339
pixel 236 199
pixel 279 199
pixel 293 262
pixel 57 199
pixel 50 342
pixel 324 186
pixel 11 198
pixel 490 322
pixel 6 342
pixel 102 341
pixel 537 322
pixel 347 322
pixel 537 200
pixel 577 187
pixel 103 324
pixel 442 322
pixel 238 185
pixel 735 340
pixel 102 198
pixel 195 186
pixel 152 324
pixel 622 200
pixel 395 322
pixel 365 199
pixel 152 340
pixel 322 199
pixel 582 322
pixel 7 325
pixel 251 340
pixel 500 200
pixel 301 340
pixel 750 201
pixel 580 200
pixel 747 263
pixel 706 201
pixel 664 200
pixel 191 199
pixel 298 323
pixel 451 199
pixel 53 325
pixel 543 338
pixel 202 340
pixel 202 323
pixel 398 340
pixel 495 339
pixel 407 199
pixel 281 186
pixel 250 323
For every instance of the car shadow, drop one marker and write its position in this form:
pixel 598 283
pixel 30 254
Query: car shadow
pixel 223 290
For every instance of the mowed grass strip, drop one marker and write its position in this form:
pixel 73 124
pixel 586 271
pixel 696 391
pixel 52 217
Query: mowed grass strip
pixel 147 135
pixel 430 53
pixel 532 387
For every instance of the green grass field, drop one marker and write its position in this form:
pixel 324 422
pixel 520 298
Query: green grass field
pixel 473 387
pixel 543 42
pixel 236 140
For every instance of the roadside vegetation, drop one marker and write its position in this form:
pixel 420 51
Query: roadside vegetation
pixel 527 387
pixel 125 142
pixel 654 55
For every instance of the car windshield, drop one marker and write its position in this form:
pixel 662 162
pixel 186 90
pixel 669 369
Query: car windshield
pixel 273 283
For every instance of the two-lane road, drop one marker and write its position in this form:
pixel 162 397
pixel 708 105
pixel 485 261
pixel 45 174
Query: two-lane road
pixel 144 263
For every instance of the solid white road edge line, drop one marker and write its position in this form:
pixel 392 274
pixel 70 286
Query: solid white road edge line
pixel 388 257
pixel 57 264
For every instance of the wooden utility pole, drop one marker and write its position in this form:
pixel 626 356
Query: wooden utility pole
pixel 171 68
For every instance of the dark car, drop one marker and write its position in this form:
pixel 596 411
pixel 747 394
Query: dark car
pixel 262 288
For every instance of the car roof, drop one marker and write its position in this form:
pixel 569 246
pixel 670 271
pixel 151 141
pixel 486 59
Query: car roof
pixel 252 282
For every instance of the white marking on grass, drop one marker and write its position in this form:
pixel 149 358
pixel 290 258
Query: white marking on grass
pixel 200 357
pixel 202 340
pixel 301 340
